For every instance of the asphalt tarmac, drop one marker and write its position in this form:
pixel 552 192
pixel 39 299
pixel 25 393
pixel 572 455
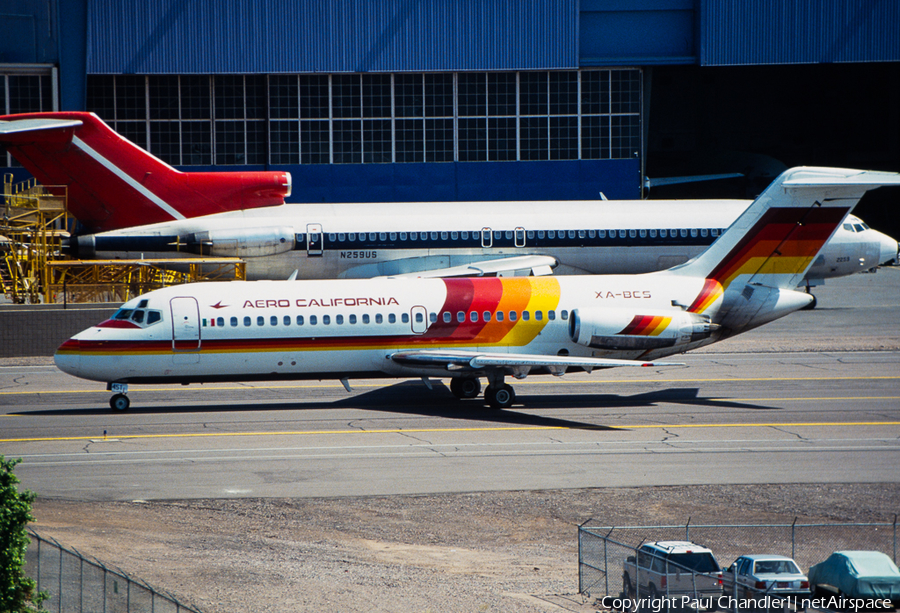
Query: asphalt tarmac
pixel 812 398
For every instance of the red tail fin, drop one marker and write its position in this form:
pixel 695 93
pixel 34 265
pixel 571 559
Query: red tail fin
pixel 113 183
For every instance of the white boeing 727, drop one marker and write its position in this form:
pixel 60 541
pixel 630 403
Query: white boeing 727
pixel 469 328
pixel 134 206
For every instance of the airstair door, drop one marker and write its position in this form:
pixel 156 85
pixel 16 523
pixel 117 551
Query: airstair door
pixel 185 324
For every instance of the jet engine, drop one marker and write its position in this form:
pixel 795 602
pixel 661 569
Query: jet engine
pixel 249 242
pixel 619 329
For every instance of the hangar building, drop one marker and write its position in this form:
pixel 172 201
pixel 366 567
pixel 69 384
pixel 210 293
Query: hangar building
pixel 431 100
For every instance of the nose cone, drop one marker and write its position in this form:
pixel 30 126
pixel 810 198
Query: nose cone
pixel 889 248
pixel 68 357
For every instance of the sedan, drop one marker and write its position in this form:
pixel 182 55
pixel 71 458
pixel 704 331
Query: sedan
pixel 758 576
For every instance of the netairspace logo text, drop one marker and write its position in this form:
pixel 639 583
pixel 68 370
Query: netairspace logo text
pixel 728 603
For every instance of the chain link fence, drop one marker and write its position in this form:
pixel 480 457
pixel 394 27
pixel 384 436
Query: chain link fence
pixel 79 584
pixel 607 554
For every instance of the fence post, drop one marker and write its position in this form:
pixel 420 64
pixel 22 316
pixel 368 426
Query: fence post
pixel 606 563
pixel 895 538
pixel 793 540
pixel 687 530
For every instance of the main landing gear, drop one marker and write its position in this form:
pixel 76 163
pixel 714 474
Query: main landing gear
pixel 497 394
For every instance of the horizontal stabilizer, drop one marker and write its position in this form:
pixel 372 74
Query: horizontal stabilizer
pixel 12 131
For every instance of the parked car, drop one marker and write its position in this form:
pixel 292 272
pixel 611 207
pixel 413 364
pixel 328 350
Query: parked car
pixel 857 574
pixel 673 568
pixel 758 576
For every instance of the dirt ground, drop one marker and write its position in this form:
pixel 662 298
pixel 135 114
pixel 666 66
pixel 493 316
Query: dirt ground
pixel 504 552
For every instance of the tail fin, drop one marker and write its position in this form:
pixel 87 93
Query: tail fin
pixel 777 238
pixel 112 183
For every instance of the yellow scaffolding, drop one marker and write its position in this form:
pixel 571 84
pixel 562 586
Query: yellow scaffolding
pixel 121 280
pixel 32 229
pixel 34 268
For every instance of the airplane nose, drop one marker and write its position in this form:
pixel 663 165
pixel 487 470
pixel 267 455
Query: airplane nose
pixel 889 249
pixel 68 357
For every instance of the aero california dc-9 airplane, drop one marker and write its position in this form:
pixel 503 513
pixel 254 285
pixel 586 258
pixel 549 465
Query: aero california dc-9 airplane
pixel 132 205
pixel 472 328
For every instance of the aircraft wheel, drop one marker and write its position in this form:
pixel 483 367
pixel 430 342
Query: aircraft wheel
pixel 119 402
pixel 500 397
pixel 465 387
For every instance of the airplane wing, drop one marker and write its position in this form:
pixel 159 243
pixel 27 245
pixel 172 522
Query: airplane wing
pixel 517 365
pixel 537 265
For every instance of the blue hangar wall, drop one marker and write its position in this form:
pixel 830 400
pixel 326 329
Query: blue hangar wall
pixel 97 38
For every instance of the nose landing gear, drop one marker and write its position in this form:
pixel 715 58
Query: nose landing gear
pixel 119 401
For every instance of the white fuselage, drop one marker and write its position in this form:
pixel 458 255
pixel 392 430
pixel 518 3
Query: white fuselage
pixel 328 241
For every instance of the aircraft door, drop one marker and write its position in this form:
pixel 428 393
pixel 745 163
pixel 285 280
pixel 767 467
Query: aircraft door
pixel 315 240
pixel 185 324
pixel 487 238
pixel 520 237
pixel 418 319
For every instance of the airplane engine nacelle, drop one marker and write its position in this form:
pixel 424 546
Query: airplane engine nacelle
pixel 621 329
pixel 247 243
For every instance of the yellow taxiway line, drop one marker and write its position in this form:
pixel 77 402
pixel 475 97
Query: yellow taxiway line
pixel 427 430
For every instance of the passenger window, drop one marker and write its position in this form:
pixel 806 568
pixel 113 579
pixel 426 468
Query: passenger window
pixel 234 322
pixel 652 233
pixel 392 319
pixel 247 322
pixel 339 320
pixel 642 233
pixel 352 319
pixel 540 234
pixel 499 315
pixel 447 317
pixel 434 236
pixel 403 318
pixel 299 320
pixel 564 314
pixel 551 315
pixel 378 318
pixel 393 236
pixel 460 316
pixel 592 234
pixel 332 237
pixel 530 234
pixel 693 232
pixel 714 232
pixel 220 321
pixel 413 236
pixel 326 320
pixel 419 318
pixel 444 236
pixel 601 233
pixel 342 237
pixel 486 316
pixel 571 233
pixel 551 233
pixel 473 316
pixel 632 234
pixel 513 316
pixel 454 236
pixel 432 317
pixel 622 233
pixel 663 234
pixel 538 316
pixel 704 232
pixel 273 320
pixel 498 235
pixel 526 316
pixel 508 234
pixel 683 233
pixel 403 236
pixel 658 565
pixel 260 321
pixel 581 234
pixel 464 236
pixel 365 318
pixel 287 320
pixel 382 236
pixel 313 320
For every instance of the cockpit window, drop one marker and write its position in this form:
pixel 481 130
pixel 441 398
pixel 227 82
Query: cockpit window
pixel 143 317
pixel 858 227
pixel 848 227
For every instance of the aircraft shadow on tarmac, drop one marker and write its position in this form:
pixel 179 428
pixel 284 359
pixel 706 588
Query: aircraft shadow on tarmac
pixel 413 398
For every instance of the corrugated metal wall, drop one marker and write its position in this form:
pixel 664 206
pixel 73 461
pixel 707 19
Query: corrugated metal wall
pixel 798 31
pixel 249 36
